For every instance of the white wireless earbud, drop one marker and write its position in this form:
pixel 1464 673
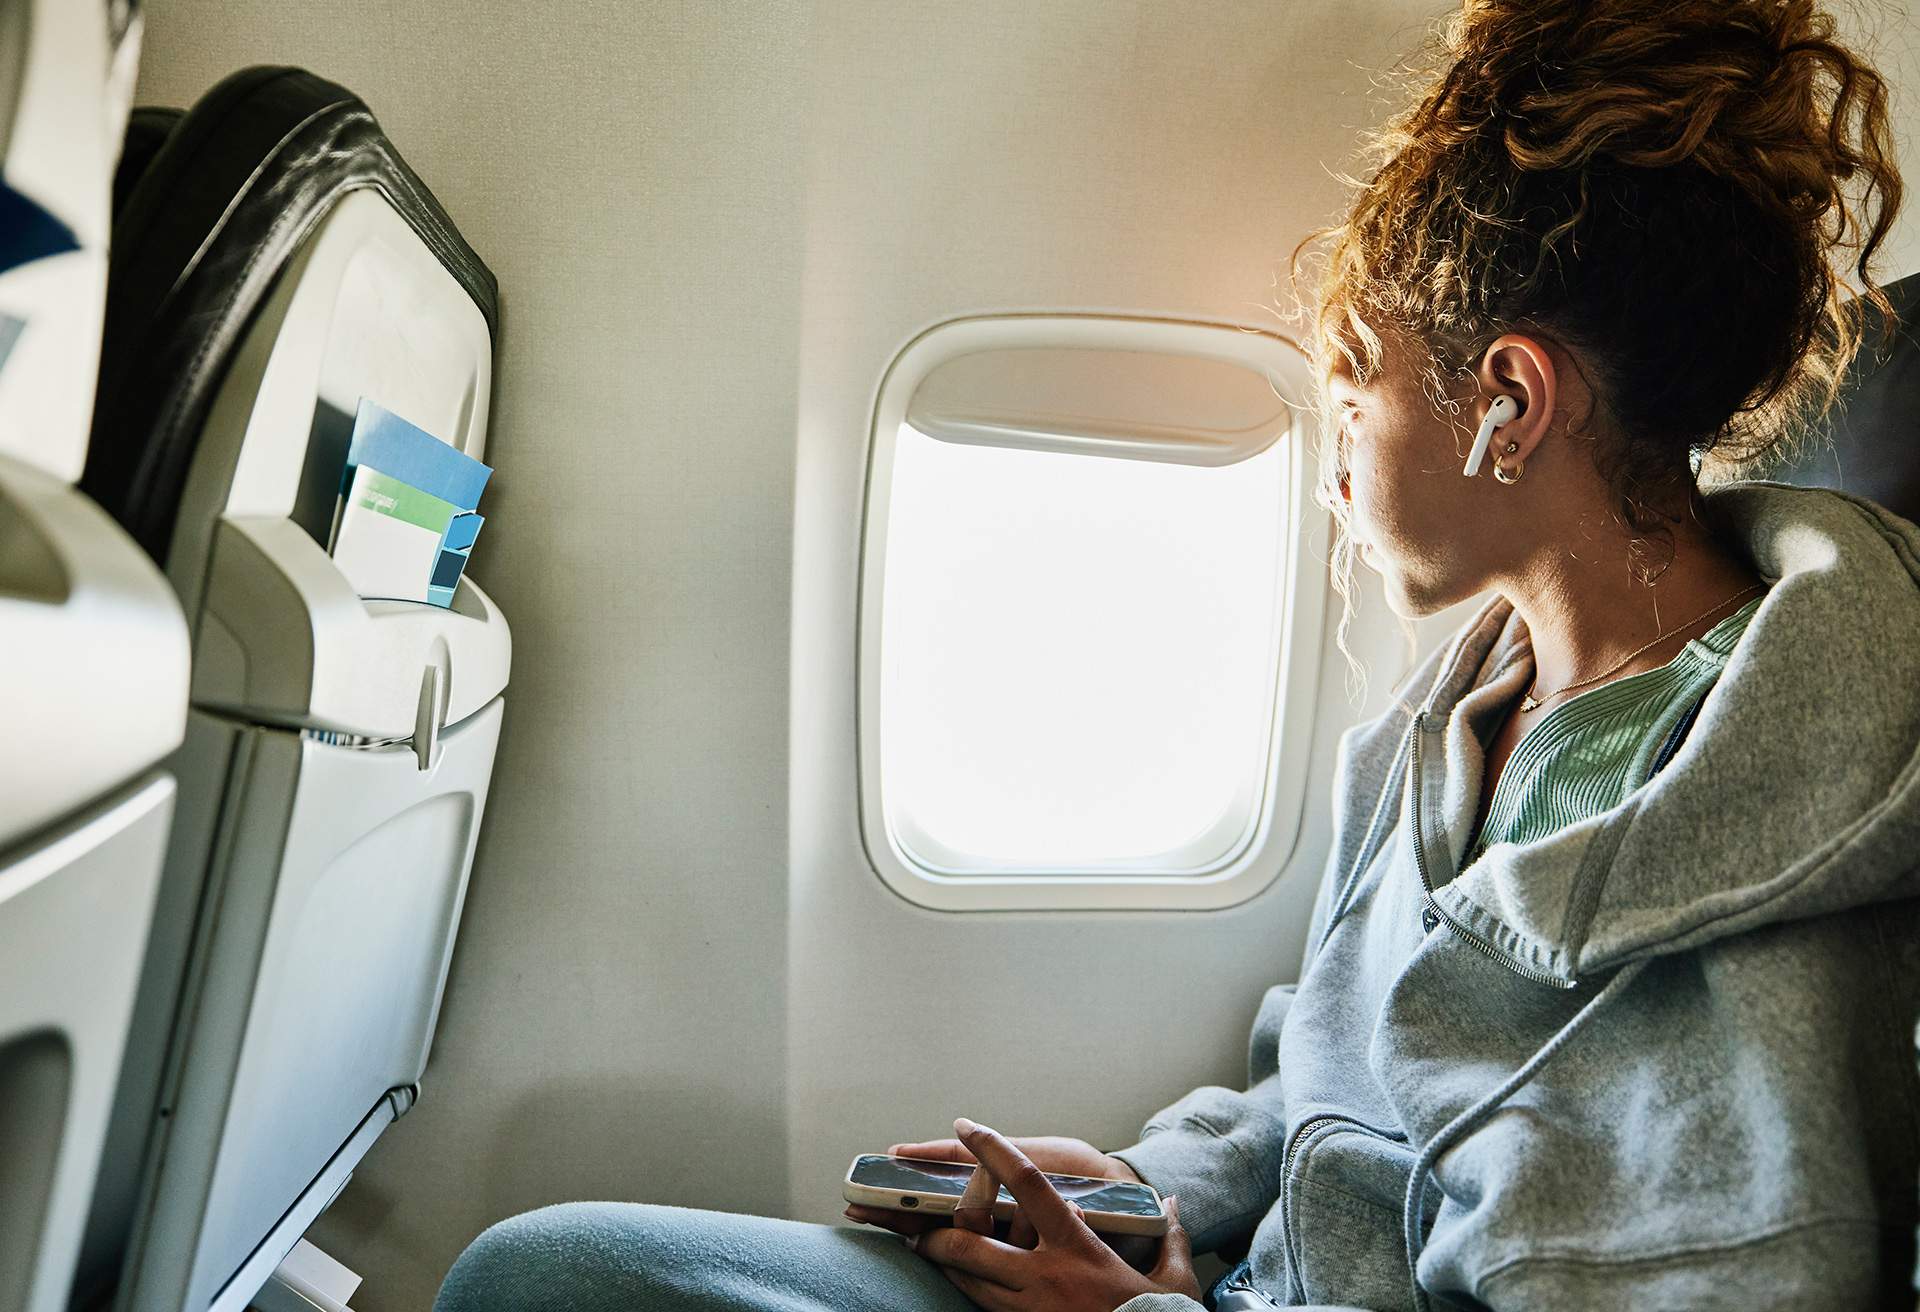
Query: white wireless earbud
pixel 1502 409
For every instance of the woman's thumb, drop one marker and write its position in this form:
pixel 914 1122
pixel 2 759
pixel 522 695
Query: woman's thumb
pixel 1175 1265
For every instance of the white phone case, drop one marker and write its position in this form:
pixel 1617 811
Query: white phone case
pixel 906 1200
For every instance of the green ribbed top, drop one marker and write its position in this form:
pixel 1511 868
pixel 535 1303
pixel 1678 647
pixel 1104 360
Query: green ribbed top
pixel 1585 755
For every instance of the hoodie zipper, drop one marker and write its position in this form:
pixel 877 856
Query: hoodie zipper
pixel 1434 908
pixel 1296 1286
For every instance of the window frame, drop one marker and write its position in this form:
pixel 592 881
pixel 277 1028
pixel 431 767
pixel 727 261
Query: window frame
pixel 1279 809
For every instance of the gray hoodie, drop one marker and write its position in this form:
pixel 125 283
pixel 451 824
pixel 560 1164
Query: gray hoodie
pixel 1662 1058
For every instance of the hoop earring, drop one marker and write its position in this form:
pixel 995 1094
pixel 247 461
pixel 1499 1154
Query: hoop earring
pixel 1500 468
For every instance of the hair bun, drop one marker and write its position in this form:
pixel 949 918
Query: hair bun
pixel 1753 91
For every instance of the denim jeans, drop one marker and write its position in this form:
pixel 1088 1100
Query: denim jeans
pixel 636 1257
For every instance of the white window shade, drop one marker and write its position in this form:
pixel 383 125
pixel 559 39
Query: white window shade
pixel 1134 404
pixel 1081 601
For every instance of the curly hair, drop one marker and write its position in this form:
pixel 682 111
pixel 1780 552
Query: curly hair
pixel 1615 174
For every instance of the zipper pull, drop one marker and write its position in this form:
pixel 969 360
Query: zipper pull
pixel 1429 918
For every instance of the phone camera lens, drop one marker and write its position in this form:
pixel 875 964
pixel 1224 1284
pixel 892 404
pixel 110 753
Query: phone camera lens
pixel 908 1200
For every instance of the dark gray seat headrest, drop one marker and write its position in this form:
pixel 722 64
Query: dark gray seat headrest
pixel 210 205
pixel 1875 430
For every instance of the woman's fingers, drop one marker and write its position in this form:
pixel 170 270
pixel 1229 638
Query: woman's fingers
pixel 887 1218
pixel 1174 1269
pixel 974 1210
pixel 1053 1218
pixel 976 1255
pixel 1137 1251
pixel 984 1293
pixel 976 1219
pixel 933 1150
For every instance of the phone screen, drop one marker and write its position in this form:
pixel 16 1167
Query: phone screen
pixel 950 1178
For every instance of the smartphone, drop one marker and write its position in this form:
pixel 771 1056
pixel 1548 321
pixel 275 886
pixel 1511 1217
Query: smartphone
pixel 909 1184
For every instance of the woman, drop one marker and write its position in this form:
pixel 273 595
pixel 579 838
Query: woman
pixel 1614 966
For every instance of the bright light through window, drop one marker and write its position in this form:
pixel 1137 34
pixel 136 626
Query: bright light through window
pixel 1079 657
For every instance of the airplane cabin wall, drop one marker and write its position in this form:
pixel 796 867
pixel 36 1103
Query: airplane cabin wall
pixel 677 979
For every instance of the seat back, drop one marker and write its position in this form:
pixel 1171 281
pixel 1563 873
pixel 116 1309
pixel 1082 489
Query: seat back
pixel 229 196
pixel 93 655
pixel 275 264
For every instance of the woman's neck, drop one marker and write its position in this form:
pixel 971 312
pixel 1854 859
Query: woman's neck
pixel 1586 611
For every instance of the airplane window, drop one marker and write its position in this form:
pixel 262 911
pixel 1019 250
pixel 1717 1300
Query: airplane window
pixel 1079 656
pixel 1092 586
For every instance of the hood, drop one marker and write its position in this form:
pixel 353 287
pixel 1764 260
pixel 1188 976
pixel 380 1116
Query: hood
pixel 1796 793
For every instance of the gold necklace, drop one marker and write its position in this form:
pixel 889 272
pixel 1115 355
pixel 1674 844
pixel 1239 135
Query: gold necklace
pixel 1531 702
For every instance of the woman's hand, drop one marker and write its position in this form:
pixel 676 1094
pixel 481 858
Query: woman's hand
pixel 1049 1152
pixel 1070 1269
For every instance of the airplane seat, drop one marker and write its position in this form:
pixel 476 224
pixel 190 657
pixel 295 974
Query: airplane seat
pixel 275 265
pixel 147 130
pixel 93 653
pixel 175 223
pixel 1872 452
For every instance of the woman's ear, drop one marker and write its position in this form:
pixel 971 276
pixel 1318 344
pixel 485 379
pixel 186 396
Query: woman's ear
pixel 1518 366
